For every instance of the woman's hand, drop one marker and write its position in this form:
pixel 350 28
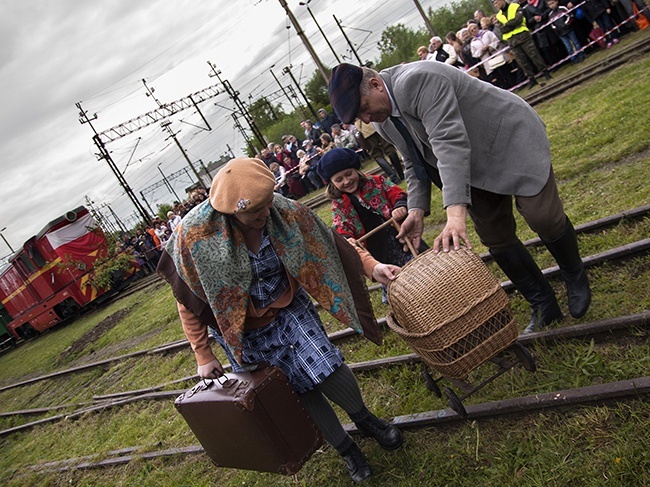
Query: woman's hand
pixel 211 370
pixel 384 273
pixel 399 213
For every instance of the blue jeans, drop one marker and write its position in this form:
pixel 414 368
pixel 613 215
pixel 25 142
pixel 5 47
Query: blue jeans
pixel 572 45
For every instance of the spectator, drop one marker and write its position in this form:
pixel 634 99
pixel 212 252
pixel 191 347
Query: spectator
pixel 423 53
pixel 312 157
pixel 343 138
pixel 444 53
pixel 561 22
pixel 484 44
pixel 311 133
pixel 280 176
pixel 516 34
pixel 599 11
pixel 326 144
pixel 327 120
pixel 545 38
pixel 172 220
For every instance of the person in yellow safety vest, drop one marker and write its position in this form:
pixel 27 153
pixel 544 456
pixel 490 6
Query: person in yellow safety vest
pixel 516 34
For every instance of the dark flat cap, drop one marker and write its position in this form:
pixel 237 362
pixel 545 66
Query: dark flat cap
pixel 336 160
pixel 344 91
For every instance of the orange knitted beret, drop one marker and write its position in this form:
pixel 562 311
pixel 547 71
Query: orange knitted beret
pixel 243 184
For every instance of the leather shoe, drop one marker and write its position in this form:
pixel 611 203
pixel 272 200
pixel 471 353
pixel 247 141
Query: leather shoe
pixel 356 463
pixel 387 435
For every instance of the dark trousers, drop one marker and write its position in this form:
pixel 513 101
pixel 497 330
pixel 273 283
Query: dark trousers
pixel 494 220
pixel 526 54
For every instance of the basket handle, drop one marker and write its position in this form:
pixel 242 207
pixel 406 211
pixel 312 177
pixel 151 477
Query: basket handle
pixel 409 244
pixel 376 229
pixel 390 221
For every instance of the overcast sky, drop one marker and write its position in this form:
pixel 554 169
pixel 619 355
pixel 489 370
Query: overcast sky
pixel 55 53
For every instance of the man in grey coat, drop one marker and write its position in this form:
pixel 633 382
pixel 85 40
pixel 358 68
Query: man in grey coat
pixel 482 146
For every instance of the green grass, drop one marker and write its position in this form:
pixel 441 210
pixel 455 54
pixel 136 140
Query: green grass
pixel 601 155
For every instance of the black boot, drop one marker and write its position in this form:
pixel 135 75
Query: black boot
pixel 566 253
pixel 356 463
pixel 532 82
pixel 546 74
pixel 524 273
pixel 387 435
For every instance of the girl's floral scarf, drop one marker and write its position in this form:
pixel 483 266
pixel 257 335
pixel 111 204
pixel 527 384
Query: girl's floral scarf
pixel 209 255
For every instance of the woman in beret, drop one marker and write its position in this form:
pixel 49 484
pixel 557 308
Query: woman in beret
pixel 246 264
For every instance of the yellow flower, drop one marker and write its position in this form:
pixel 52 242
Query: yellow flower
pixel 618 460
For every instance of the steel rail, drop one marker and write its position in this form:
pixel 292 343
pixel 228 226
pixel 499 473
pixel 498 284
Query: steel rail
pixel 580 331
pixel 607 393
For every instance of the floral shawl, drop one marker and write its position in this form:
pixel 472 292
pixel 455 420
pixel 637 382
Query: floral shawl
pixel 208 253
pixel 378 194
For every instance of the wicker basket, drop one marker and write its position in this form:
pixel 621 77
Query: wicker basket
pixel 451 311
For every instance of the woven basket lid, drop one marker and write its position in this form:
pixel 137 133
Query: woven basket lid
pixel 438 288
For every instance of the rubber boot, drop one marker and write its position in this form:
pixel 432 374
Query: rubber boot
pixel 356 462
pixel 387 435
pixel 565 251
pixel 388 169
pixel 522 270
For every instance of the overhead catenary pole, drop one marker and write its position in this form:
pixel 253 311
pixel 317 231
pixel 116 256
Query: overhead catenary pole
pixel 282 88
pixel 169 186
pixel 104 154
pixel 306 4
pixel 234 95
pixel 427 22
pixel 166 125
pixel 306 42
pixel 348 41
pixel 287 70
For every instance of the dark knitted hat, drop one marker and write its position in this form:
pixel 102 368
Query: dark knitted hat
pixel 337 160
pixel 344 91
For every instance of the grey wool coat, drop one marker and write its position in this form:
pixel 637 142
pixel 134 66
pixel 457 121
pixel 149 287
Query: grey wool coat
pixel 477 135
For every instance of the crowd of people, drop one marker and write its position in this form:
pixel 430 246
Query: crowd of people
pixel 294 161
pixel 147 241
pixel 524 40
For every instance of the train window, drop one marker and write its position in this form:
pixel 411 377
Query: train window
pixel 36 256
pixel 27 264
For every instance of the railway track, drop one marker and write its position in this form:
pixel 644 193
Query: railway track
pixel 623 252
pixel 586 331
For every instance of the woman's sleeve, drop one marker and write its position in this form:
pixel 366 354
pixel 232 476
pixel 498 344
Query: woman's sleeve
pixel 197 334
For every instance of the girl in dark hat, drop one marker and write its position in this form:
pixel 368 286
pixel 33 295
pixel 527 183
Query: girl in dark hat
pixel 361 203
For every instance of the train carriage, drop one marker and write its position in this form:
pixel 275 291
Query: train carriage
pixel 46 281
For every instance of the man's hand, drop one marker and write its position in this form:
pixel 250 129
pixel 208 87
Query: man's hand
pixel 211 370
pixel 412 228
pixel 455 230
pixel 385 273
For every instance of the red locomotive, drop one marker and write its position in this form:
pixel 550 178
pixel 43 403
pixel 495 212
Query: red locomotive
pixel 47 280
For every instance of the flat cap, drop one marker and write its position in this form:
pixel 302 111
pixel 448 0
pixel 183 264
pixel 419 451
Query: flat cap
pixel 344 92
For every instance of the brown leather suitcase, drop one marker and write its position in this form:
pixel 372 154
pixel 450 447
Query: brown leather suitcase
pixel 252 421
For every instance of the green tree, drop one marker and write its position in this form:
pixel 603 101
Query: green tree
pixel 452 17
pixel 399 44
pixel 162 210
pixel 264 114
pixel 316 92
